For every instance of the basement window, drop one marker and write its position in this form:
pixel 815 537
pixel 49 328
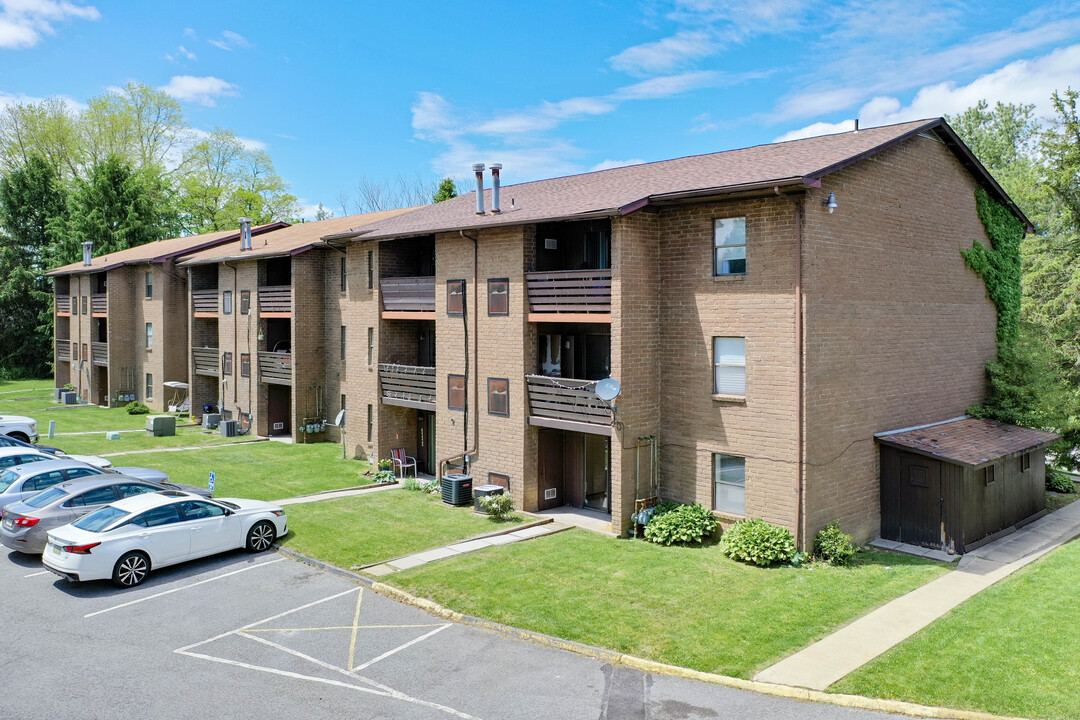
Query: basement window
pixel 729 246
pixel 729 484
pixel 149 387
pixel 499 479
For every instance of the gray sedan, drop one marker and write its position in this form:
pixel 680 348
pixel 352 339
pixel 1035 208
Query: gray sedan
pixel 22 481
pixel 23 525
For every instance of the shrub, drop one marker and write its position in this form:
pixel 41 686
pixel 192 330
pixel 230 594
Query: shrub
pixel 385 473
pixel 412 483
pixel 432 487
pixel 682 525
pixel 833 546
pixel 758 542
pixel 136 408
pixel 499 507
pixel 1059 482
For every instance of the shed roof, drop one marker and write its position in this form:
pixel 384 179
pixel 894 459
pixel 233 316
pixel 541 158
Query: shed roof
pixel 290 240
pixel 969 441
pixel 159 251
pixel 622 190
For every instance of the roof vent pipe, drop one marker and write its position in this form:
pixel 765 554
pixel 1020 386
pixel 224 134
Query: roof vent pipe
pixel 245 234
pixel 856 124
pixel 495 168
pixel 87 253
pixel 478 168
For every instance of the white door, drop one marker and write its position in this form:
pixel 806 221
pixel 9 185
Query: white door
pixel 163 535
pixel 211 530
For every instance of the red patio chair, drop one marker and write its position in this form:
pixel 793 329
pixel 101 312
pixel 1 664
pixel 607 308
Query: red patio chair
pixel 402 462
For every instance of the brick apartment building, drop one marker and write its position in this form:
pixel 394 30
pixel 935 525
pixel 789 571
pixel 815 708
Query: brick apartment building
pixel 766 312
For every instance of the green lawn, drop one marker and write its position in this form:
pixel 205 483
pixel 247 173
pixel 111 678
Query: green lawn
pixel 262 471
pixel 96 444
pixel 381 526
pixel 1056 501
pixel 1009 650
pixel 685 606
pixel 34 398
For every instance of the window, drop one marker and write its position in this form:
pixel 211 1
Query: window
pixel 83 304
pixel 370 269
pixel 198 509
pixel 149 386
pixel 1025 462
pixel 135 489
pixel 498 296
pixel 729 484
pixel 729 246
pixel 370 346
pixel 456 392
pixel 455 297
pixel 370 422
pixel 76 473
pixel 149 285
pixel 499 479
pixel 74 351
pixel 988 475
pixel 43 481
pixel 245 302
pixel 74 305
pixel 164 515
pixel 342 407
pixel 344 275
pixel 729 366
pixel 226 302
pixel 245 364
pixel 499 397
pixel 149 335
pixel 226 363
pixel 342 342
pixel 85 353
pixel 97 496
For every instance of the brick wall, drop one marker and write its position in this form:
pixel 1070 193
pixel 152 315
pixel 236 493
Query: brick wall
pixel 309 342
pixel 359 310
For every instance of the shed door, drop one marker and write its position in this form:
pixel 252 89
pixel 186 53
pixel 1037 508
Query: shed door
pixel 920 501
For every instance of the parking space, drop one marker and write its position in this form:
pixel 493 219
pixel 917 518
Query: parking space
pixel 263 636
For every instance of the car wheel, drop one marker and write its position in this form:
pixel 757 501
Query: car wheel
pixel 131 569
pixel 21 437
pixel 261 536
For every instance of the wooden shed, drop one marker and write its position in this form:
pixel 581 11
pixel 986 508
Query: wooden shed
pixel 959 484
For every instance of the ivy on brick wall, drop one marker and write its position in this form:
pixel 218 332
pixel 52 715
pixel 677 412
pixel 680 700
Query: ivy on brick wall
pixel 999 265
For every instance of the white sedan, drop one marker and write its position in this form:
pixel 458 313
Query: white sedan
pixel 124 540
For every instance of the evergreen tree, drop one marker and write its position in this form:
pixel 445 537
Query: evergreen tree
pixel 447 189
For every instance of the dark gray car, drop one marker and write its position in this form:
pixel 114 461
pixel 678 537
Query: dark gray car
pixel 24 525
pixel 22 481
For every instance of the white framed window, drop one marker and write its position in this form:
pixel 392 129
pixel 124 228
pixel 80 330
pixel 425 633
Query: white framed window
pixel 729 246
pixel 729 366
pixel 729 484
pixel 149 335
pixel 149 386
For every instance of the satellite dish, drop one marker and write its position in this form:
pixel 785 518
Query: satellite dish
pixel 607 389
pixel 339 421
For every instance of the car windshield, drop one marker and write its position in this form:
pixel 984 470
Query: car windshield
pixel 100 519
pixel 48 497
pixel 6 479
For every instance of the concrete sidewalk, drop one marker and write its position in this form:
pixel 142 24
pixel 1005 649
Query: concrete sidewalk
pixel 823 663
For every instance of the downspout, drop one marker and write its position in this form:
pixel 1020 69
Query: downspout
pixel 476 360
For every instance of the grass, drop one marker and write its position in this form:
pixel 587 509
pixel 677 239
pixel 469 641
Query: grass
pixel 96 444
pixel 34 398
pixel 685 606
pixel 381 526
pixel 1009 650
pixel 1056 501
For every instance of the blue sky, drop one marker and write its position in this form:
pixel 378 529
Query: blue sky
pixel 337 92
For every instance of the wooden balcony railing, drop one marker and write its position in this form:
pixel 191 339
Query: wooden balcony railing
pixel 407 297
pixel 567 404
pixel 407 385
pixel 63 350
pixel 569 295
pixel 99 353
pixel 206 361
pixel 275 368
pixel 275 301
pixel 99 305
pixel 204 302
pixel 63 304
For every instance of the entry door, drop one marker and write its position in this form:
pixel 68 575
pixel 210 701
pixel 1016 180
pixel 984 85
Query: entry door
pixel 550 481
pixel 920 501
pixel 425 441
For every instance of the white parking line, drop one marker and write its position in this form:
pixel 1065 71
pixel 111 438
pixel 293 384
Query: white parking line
pixel 43 572
pixel 185 587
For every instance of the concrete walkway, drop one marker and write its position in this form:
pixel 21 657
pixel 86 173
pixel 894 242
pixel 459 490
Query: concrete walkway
pixel 823 663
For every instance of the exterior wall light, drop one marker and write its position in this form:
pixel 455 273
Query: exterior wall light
pixel 830 202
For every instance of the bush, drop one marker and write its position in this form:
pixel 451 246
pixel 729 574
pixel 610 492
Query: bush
pixel 833 546
pixel 682 525
pixel 412 483
pixel 499 507
pixel 136 408
pixel 1059 482
pixel 758 542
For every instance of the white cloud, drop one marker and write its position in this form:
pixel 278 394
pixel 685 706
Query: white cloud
pixel 609 164
pixel 230 40
pixel 545 117
pixel 182 52
pixel 202 90
pixel 668 85
pixel 667 54
pixel 23 22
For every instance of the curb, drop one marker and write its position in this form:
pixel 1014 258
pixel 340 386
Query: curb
pixel 320 565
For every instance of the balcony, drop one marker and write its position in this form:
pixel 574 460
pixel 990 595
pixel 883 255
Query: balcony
pixel 569 296
pixel 63 305
pixel 275 368
pixel 63 350
pixel 567 404
pixel 204 303
pixel 410 386
pixel 99 305
pixel 275 301
pixel 206 361
pixel 408 298
pixel 99 353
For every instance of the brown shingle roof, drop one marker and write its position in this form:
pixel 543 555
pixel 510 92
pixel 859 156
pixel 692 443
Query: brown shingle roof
pixel 159 251
pixel 969 441
pixel 291 240
pixel 622 190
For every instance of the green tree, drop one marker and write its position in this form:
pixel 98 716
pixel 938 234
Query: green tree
pixel 447 189
pixel 32 208
pixel 48 130
pixel 137 123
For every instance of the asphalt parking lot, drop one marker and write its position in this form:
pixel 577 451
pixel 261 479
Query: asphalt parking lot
pixel 264 636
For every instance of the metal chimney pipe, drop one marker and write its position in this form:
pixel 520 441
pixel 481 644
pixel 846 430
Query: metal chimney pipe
pixel 245 234
pixel 478 168
pixel 87 252
pixel 495 168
